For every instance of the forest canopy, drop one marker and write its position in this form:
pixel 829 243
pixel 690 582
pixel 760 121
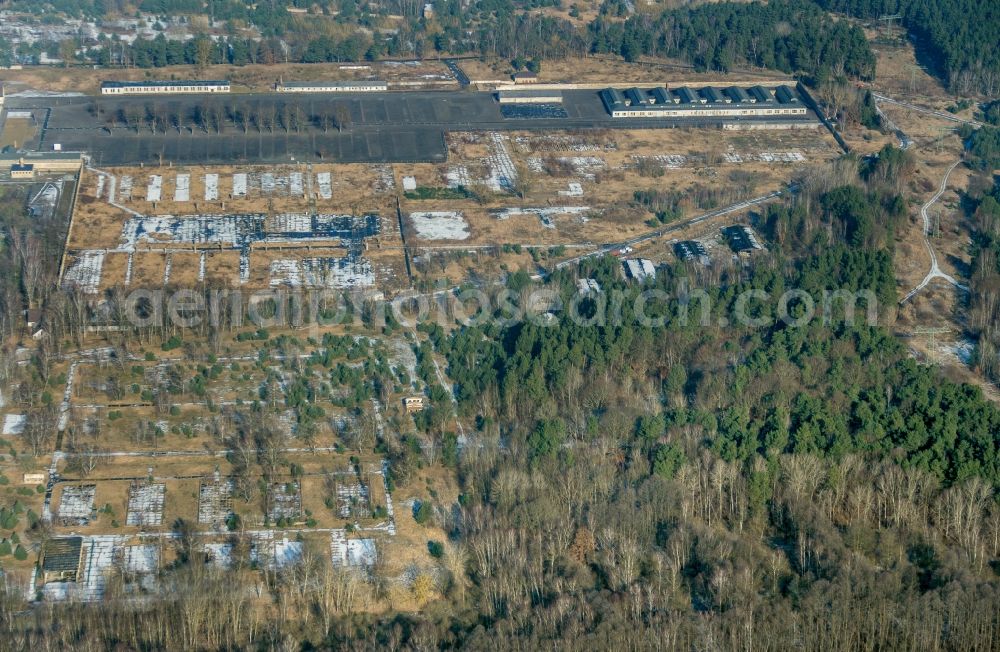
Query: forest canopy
pixel 958 38
pixel 793 36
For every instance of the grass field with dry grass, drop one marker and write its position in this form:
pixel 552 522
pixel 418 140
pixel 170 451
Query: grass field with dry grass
pixel 249 78
pixel 605 69
pixel 17 132
pixel 584 182
pixel 932 322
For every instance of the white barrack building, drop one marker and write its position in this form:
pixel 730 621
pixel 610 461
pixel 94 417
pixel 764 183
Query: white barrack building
pixel 684 102
pixel 369 86
pixel 163 87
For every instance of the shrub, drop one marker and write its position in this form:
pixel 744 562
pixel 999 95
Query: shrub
pixel 174 342
pixel 423 513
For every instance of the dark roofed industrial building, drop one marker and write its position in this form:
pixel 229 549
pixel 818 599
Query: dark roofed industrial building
pixel 713 96
pixel 686 96
pixel 761 94
pixel 61 559
pixel 738 95
pixel 663 96
pixel 785 95
pixel 741 239
pixel 637 96
pixel 691 250
pixel 683 102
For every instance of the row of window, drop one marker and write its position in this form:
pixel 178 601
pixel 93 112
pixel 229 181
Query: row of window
pixel 328 89
pixel 706 112
pixel 117 90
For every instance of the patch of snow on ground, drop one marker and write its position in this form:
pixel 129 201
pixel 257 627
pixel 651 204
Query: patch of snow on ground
pixel 286 273
pixel 290 223
pixel 360 552
pixel 545 214
pixel 335 273
pixel 13 424
pixel 240 184
pixel 963 351
pixel 585 166
pixel 669 161
pixel 385 181
pixel 440 225
pixel 267 183
pixel 220 555
pixel 77 503
pixel 86 271
pixel 458 176
pixel 125 188
pixel 145 504
pixel 99 556
pixel 211 187
pixel 503 174
pixel 325 188
pixel 182 187
pixel 142 558
pixel 575 190
pixel 154 187
pixel 198 229
pixel 781 157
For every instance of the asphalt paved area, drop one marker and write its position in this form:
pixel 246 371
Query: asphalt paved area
pixel 383 127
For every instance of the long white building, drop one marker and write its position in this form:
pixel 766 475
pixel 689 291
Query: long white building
pixel 684 102
pixel 164 87
pixel 359 86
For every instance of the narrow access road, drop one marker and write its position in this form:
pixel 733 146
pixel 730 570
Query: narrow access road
pixel 920 109
pixel 676 226
pixel 904 141
pixel 935 271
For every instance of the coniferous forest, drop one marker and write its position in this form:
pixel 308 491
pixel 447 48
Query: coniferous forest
pixel 735 470
pixel 955 38
pixel 670 482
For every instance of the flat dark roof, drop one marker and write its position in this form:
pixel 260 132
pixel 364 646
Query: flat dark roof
pixel 711 94
pixel 762 94
pixel 62 554
pixel 737 94
pixel 785 94
pixel 689 249
pixel 740 238
pixel 19 167
pixel 688 99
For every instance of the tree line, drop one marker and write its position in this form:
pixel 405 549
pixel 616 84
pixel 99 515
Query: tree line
pixel 957 37
pixel 628 484
pixel 794 36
